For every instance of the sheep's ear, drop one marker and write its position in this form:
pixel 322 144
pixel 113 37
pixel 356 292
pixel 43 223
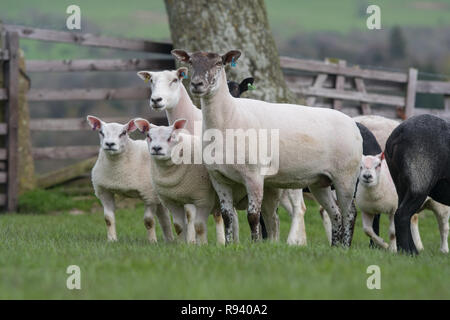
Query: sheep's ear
pixel 179 124
pixel 243 86
pixel 230 56
pixel 181 55
pixel 144 75
pixel 142 124
pixel 94 122
pixel 130 126
pixel 182 73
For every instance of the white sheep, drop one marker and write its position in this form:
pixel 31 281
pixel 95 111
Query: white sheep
pixel 123 168
pixel 169 94
pixel 317 147
pixel 376 194
pixel 184 188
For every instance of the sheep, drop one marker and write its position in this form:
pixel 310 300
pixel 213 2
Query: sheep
pixel 169 94
pixel 418 156
pixel 122 168
pixel 184 188
pixel 236 89
pixel 317 147
pixel 376 194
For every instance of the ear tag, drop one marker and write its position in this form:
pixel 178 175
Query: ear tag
pixel 233 63
pixel 147 77
pixel 184 75
pixel 251 87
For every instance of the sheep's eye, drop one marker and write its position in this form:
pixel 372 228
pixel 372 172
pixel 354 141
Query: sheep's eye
pixel 122 134
pixel 174 80
pixel 101 133
pixel 149 138
pixel 170 138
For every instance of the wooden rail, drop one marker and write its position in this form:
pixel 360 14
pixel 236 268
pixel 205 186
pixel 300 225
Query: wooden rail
pixel 137 93
pixel 87 39
pixel 99 65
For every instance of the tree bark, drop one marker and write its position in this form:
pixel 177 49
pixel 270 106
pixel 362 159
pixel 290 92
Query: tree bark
pixel 222 25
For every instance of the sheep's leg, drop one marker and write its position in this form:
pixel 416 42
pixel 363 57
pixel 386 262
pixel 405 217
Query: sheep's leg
pixel 220 231
pixel 149 222
pixel 367 222
pixel 225 194
pixel 410 203
pixel 164 221
pixel 442 214
pixel 294 203
pixel 326 223
pixel 415 232
pixel 107 200
pixel 345 189
pixel 269 207
pixel 392 240
pixel 201 228
pixel 191 213
pixel 325 198
pixel 235 226
pixel 179 220
pixel 255 190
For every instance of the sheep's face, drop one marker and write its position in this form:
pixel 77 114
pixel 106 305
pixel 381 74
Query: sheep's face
pixel 370 170
pixel 113 136
pixel 160 139
pixel 207 68
pixel 165 87
pixel 236 89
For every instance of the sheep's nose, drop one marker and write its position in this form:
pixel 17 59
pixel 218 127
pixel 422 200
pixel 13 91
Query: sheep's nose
pixel 156 149
pixel 367 176
pixel 156 100
pixel 110 144
pixel 197 84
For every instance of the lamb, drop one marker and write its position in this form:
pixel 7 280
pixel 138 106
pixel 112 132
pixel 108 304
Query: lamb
pixel 184 188
pixel 122 168
pixel 317 147
pixel 418 157
pixel 376 194
pixel 169 94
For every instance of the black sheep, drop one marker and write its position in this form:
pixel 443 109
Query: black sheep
pixel 418 156
pixel 236 89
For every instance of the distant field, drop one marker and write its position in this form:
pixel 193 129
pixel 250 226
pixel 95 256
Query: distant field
pixel 37 248
pixel 147 18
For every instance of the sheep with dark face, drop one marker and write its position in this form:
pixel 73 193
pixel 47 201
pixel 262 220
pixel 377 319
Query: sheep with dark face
pixel 418 157
pixel 236 89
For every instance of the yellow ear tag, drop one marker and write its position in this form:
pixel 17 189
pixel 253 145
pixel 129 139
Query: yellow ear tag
pixel 147 77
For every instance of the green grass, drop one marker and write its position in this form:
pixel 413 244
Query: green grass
pixel 36 250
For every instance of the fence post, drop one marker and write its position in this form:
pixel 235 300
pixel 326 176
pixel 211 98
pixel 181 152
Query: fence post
pixel 340 85
pixel 11 76
pixel 411 93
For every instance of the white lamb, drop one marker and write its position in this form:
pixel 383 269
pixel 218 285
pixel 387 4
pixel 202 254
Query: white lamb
pixel 123 168
pixel 169 94
pixel 184 188
pixel 376 194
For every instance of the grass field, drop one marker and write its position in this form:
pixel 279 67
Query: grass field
pixel 37 248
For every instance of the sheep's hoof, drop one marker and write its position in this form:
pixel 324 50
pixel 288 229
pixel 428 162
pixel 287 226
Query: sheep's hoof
pixel 112 239
pixel 443 250
pixel 296 242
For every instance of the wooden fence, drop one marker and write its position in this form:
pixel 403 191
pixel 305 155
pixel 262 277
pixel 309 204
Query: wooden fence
pixel 386 93
pixel 329 83
pixel 84 65
pixel 9 55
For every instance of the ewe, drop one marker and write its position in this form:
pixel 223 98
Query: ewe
pixel 123 168
pixel 317 147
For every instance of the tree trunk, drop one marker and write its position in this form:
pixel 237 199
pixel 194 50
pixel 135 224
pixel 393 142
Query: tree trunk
pixel 222 25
